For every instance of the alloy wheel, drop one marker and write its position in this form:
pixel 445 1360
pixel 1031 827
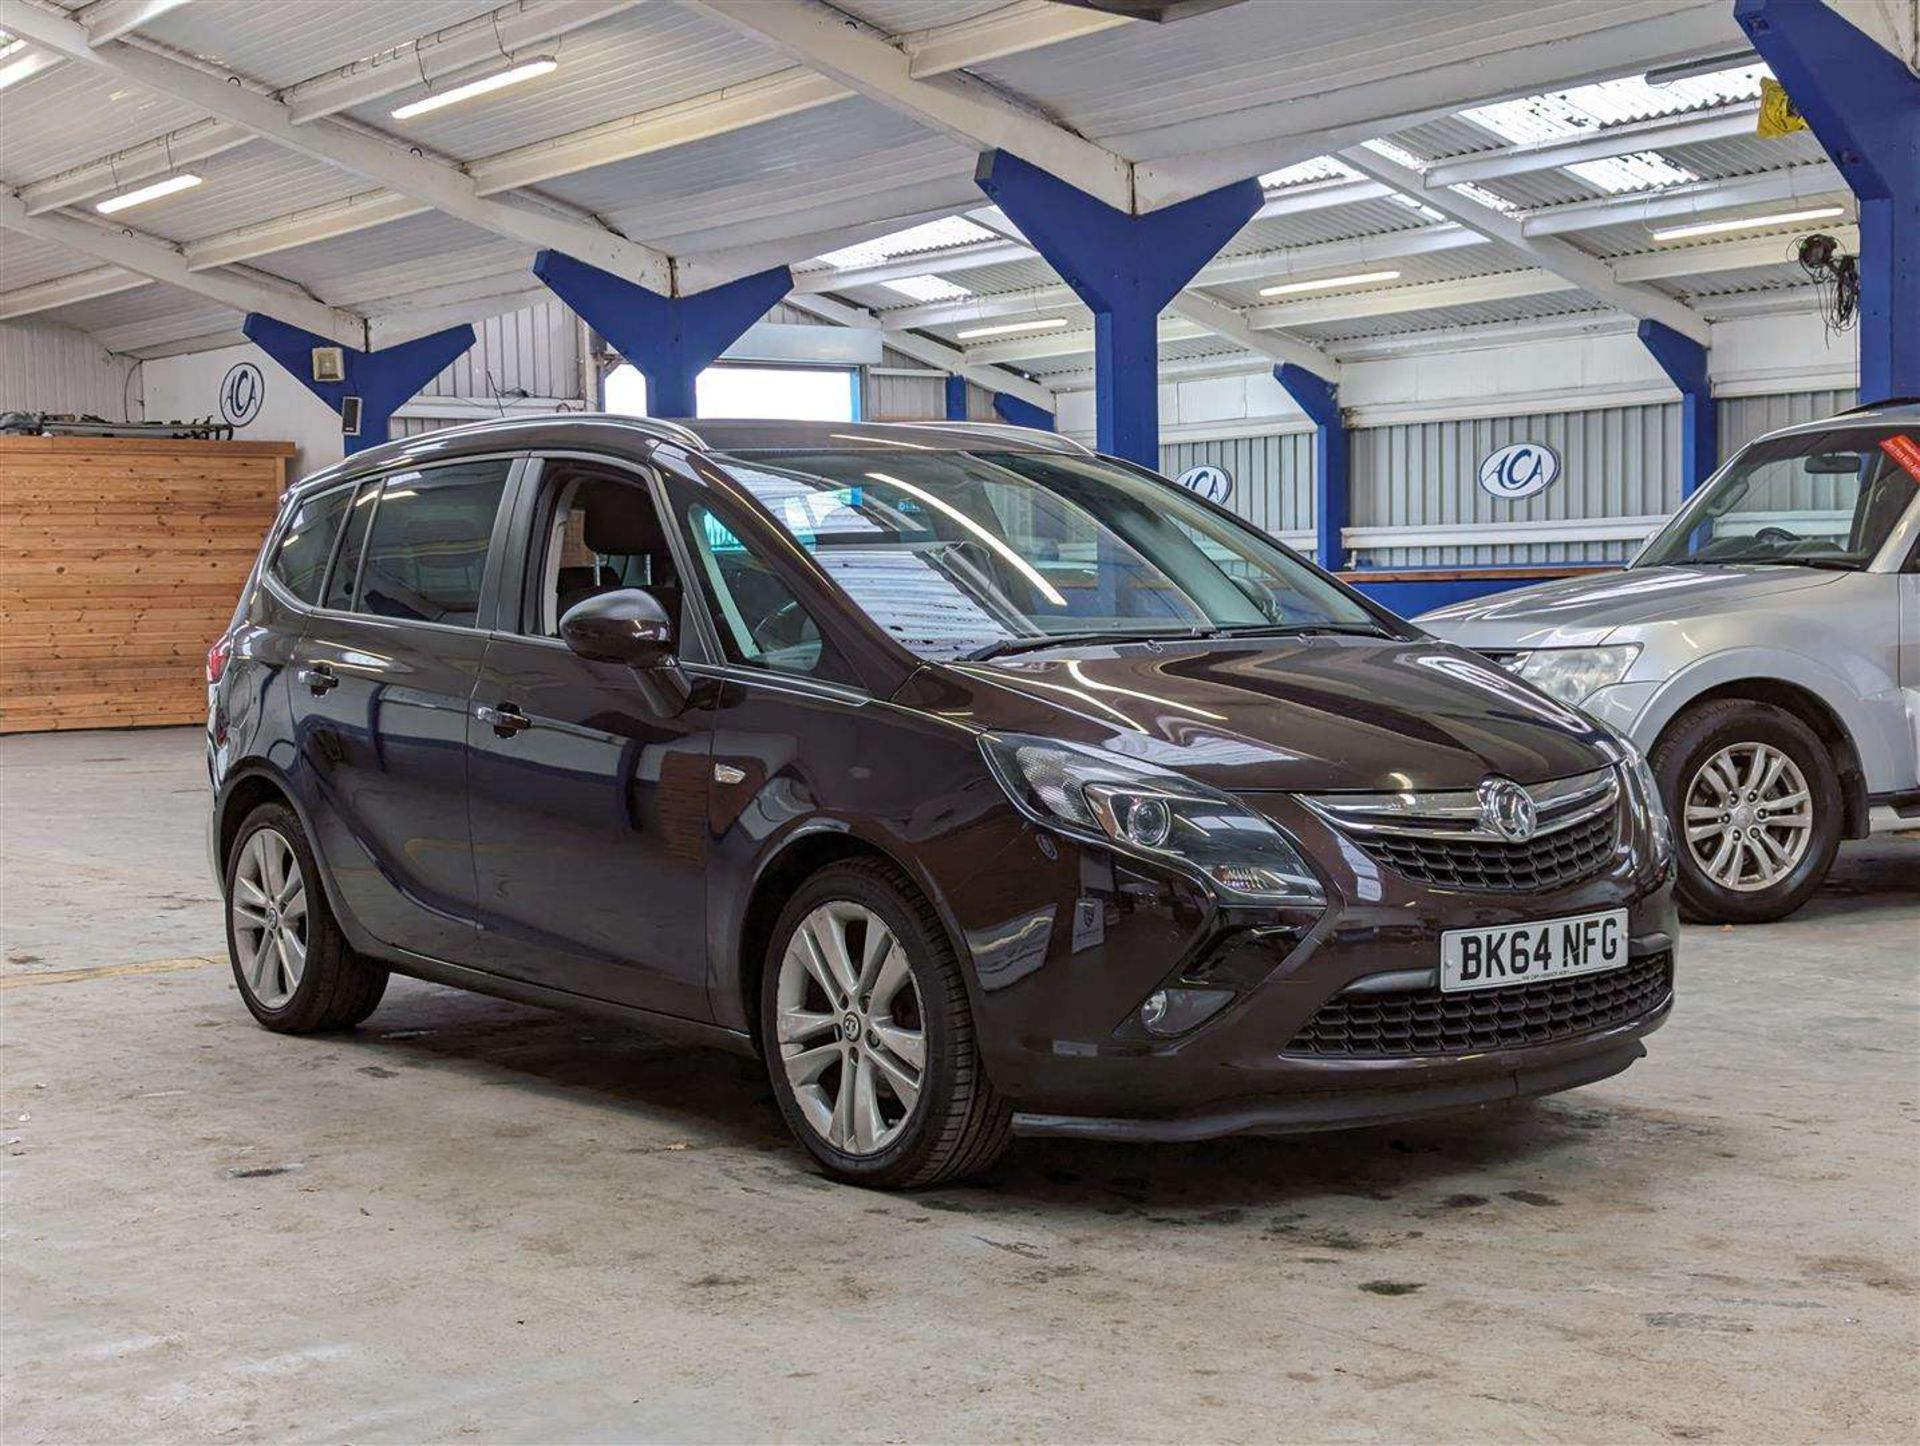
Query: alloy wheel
pixel 1749 817
pixel 269 909
pixel 850 1029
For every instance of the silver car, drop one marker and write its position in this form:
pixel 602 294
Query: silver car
pixel 1762 649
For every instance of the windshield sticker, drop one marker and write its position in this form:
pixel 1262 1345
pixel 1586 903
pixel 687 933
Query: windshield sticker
pixel 1904 450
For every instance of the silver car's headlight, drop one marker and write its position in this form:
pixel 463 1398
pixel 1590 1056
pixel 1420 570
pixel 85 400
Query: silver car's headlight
pixel 1147 810
pixel 1574 674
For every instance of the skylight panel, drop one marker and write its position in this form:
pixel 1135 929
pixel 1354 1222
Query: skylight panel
pixel 1585 108
pixel 1301 173
pixel 1641 171
pixel 928 236
pixel 927 288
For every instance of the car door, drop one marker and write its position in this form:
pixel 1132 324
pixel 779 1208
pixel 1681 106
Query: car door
pixel 381 688
pixel 588 791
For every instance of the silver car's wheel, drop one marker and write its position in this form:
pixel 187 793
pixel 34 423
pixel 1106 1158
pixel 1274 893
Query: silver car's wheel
pixel 850 1028
pixel 269 905
pixel 1749 816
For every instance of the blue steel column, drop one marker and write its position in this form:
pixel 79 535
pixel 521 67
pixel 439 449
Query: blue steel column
pixel 1332 472
pixel 669 339
pixel 1864 107
pixel 1684 361
pixel 384 380
pixel 1015 412
pixel 956 399
pixel 1126 269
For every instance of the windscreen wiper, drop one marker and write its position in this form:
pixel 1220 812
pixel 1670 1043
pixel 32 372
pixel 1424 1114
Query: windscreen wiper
pixel 1003 646
pixel 1302 630
pixel 1825 564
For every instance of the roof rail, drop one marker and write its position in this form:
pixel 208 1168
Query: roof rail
pixel 1880 405
pixel 1032 435
pixel 670 431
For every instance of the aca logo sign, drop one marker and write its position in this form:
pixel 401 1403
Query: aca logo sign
pixel 1213 483
pixel 241 393
pixel 1520 470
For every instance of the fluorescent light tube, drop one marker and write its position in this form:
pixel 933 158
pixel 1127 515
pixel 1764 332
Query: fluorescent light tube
pixel 183 181
pixel 1359 278
pixel 512 75
pixel 1011 327
pixel 1778 218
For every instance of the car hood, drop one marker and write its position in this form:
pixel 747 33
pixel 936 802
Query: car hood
pixel 1578 611
pixel 1310 714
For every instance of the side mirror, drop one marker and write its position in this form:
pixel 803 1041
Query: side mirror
pixel 626 625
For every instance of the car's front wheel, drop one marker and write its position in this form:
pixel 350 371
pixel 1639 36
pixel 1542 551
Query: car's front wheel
pixel 868 1037
pixel 1756 807
pixel 294 967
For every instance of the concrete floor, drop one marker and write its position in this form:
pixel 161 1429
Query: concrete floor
pixel 470 1220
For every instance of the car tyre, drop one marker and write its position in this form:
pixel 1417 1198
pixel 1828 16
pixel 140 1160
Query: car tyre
pixel 1783 852
pixel 292 963
pixel 849 1031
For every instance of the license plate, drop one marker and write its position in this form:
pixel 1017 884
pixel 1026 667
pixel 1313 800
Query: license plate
pixel 1522 953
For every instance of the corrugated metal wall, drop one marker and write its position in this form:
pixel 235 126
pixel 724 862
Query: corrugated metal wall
pixel 52 369
pixel 1272 476
pixel 904 399
pixel 533 352
pixel 1744 418
pixel 1614 462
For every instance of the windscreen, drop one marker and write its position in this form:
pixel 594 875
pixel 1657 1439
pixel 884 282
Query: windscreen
pixel 963 554
pixel 1823 499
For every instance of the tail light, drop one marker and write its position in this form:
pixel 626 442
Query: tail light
pixel 217 656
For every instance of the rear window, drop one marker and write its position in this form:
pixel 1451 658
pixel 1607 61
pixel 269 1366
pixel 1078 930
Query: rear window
pixel 425 555
pixel 299 562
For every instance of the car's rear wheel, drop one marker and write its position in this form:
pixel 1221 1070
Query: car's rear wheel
pixel 868 1037
pixel 293 965
pixel 1756 807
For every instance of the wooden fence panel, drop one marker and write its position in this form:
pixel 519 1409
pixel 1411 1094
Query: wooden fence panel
pixel 121 560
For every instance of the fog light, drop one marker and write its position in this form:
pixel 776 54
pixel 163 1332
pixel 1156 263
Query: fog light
pixel 1167 1012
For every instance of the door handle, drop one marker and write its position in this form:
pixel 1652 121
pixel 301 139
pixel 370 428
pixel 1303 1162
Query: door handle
pixel 506 720
pixel 319 679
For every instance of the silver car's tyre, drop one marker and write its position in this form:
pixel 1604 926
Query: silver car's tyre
pixel 294 967
pixel 868 1036
pixel 1756 808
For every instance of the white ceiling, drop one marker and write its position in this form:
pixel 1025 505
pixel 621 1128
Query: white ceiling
pixel 672 126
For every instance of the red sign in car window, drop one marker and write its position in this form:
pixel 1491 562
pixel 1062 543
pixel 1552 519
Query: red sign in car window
pixel 1904 450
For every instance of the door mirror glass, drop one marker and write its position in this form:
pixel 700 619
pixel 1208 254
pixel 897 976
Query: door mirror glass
pixel 625 625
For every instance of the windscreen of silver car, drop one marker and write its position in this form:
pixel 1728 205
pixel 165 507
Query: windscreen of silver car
pixel 1156 813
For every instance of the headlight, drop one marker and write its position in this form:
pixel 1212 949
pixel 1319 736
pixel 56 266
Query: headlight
pixel 1146 810
pixel 1574 674
pixel 1643 791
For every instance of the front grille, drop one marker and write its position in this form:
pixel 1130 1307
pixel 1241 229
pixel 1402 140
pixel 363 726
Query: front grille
pixel 1411 1022
pixel 1546 861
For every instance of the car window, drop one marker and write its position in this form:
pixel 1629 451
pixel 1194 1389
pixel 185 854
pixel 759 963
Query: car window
pixel 761 623
pixel 426 550
pixel 299 562
pixel 1826 499
pixel 959 554
pixel 346 564
pixel 597 532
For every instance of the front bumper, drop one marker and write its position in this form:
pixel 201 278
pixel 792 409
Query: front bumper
pixel 1057 993
pixel 1519 1075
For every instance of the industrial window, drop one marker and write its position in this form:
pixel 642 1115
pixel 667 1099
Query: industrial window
pixel 426 550
pixel 811 394
pixel 300 558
